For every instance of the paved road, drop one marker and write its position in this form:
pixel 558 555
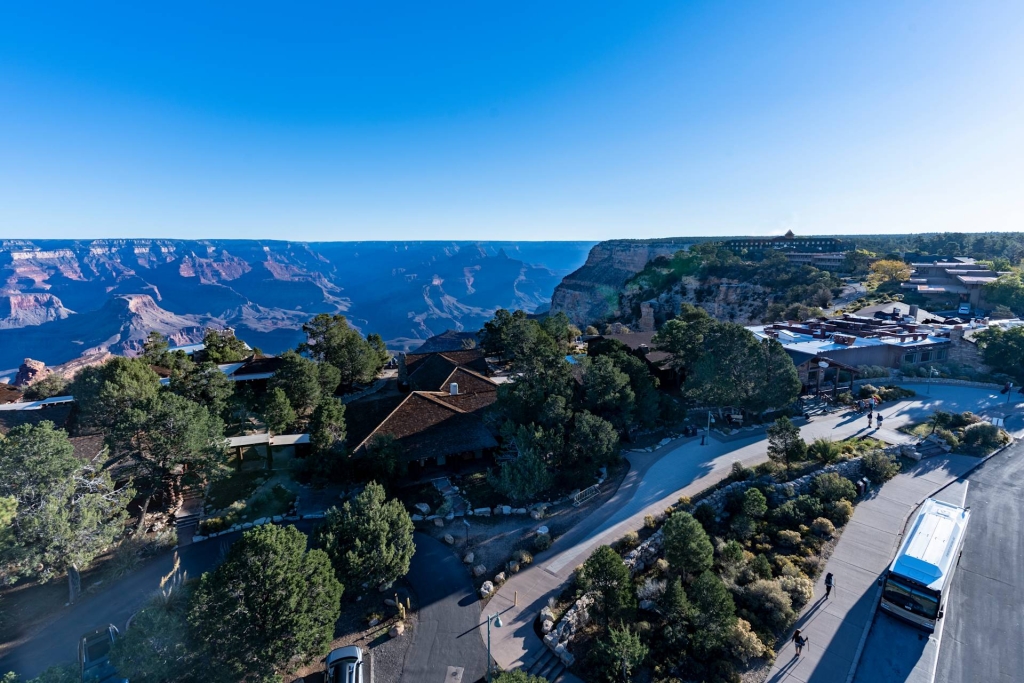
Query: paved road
pixel 448 622
pixel 985 614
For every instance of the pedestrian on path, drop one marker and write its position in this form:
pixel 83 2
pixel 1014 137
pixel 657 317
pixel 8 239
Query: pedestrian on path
pixel 878 422
pixel 829 582
pixel 800 641
pixel 869 419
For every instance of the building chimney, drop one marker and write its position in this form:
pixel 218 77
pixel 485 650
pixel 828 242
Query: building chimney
pixel 453 388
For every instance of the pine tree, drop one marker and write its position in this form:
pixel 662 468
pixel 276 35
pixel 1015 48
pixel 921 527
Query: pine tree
pixel 687 547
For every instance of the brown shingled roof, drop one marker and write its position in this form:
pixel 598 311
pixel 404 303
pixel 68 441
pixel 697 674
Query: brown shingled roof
pixel 57 414
pixel 428 427
pixel 427 371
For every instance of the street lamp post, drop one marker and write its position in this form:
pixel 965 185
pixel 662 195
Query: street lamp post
pixel 931 373
pixel 496 618
pixel 706 439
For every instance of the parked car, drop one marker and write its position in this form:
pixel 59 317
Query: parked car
pixel 345 665
pixel 965 309
pixel 94 656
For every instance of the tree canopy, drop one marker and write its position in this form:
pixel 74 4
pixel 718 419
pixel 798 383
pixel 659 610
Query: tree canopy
pixel 221 346
pixel 1003 350
pixel 369 539
pixel 687 546
pixel 269 602
pixel 330 339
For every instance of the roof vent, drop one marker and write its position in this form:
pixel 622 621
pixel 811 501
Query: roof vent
pixel 453 388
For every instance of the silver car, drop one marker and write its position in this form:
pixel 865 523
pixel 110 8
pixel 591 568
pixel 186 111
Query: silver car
pixel 345 665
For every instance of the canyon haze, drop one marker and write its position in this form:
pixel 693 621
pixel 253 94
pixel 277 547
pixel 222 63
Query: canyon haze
pixel 62 299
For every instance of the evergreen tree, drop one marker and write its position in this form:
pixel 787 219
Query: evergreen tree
pixel 620 653
pixel 369 539
pixel 523 478
pixel 687 547
pixel 714 613
pixel 277 411
pixel 592 443
pixel 330 339
pixel 299 378
pixel 105 394
pixel 205 384
pixel 221 346
pixel 605 572
pixel 63 513
pixel 327 433
pixel 269 602
pixel 607 392
pixel 785 445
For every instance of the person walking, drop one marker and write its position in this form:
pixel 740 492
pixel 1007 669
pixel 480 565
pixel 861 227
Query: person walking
pixel 869 419
pixel 829 582
pixel 799 641
pixel 878 422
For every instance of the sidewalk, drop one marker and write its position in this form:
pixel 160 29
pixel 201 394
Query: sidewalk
pixel 837 626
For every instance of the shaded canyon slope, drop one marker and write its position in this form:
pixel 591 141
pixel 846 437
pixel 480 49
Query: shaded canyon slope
pixel 591 294
pixel 60 299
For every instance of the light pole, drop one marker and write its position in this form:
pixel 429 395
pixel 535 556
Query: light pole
pixel 1009 392
pixel 706 439
pixel 931 373
pixel 497 624
pixel 822 365
pixel 466 522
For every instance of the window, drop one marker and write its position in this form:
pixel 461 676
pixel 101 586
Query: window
pixel 926 356
pixel 941 354
pixel 919 601
pixel 910 357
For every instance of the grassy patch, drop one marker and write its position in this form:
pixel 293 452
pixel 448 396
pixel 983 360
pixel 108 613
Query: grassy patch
pixel 918 429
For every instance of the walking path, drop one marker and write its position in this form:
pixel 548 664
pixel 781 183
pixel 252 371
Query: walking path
pixel 656 480
pixel 837 626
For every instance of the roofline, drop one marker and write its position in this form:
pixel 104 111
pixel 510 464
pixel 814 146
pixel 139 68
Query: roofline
pixel 424 394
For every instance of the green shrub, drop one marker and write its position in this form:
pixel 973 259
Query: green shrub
pixel 949 437
pixel 661 566
pixel 761 567
pixel 744 643
pixel 824 451
pixel 523 557
pixel 687 547
pixel 754 503
pixel 830 487
pixel 984 436
pixel 879 467
pixel 962 420
pixel 867 391
pixel 799 589
pixel 823 527
pixel 742 527
pixel 769 603
pixel 542 542
pixel 739 472
pixel 213 525
pixel 790 538
pixel 800 510
pixel 705 514
pixel 840 512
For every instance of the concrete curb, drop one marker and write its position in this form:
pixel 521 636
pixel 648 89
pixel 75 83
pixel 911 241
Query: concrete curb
pixel 903 525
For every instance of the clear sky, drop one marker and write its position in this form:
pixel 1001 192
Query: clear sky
pixel 509 120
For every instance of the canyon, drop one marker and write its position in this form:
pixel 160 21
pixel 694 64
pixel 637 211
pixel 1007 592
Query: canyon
pixel 62 300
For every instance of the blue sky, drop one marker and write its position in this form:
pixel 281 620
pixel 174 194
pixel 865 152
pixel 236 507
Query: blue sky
pixel 526 120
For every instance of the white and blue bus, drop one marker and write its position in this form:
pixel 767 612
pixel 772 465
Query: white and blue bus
pixel 918 580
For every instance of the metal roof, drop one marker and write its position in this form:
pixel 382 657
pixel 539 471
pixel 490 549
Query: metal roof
pixel 930 547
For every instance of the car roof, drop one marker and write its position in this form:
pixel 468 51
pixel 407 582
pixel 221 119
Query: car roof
pixel 349 652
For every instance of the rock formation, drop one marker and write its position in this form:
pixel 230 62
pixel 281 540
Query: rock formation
pixel 30 371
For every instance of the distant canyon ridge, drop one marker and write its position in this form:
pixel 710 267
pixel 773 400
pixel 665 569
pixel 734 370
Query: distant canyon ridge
pixel 61 300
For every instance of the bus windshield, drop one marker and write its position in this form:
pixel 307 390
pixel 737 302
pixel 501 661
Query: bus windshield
pixel 920 601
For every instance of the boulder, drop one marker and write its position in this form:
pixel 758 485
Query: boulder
pixel 468 558
pixel 277 518
pixel 537 514
pixel 374 622
pixel 547 614
pixel 513 567
pixel 390 602
pixel 385 587
pixel 486 589
pixel 423 508
pixel 546 626
pixel 397 630
pixel 449 539
pixel 416 518
pixel 479 570
pixel 438 522
pixel 519 511
pixel 542 530
pixel 482 512
pixel 499 578
pixel 247 525
pixel 450 516
pixel 506 509
pixel 496 510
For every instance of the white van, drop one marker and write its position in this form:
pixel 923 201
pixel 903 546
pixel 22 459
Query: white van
pixel 965 309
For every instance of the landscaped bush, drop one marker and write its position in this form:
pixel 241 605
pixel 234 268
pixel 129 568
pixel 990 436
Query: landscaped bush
pixel 798 511
pixel 879 467
pixel 799 588
pixel 744 643
pixel 823 527
pixel 949 437
pixel 867 391
pixel 869 371
pixel 650 522
pixel 523 557
pixel 790 538
pixel 840 512
pixel 651 589
pixel 630 540
pixel 768 603
pixel 825 451
pixel 542 542
pixel 830 487
pixel 984 436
